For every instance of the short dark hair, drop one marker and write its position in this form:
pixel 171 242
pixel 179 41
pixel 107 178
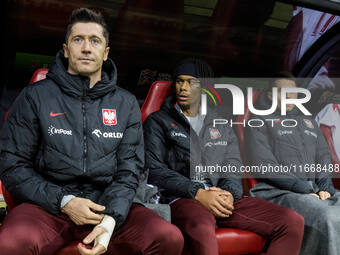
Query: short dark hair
pixel 284 75
pixel 87 15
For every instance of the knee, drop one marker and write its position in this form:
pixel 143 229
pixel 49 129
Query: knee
pixel 162 238
pixel 293 222
pixel 328 217
pixel 16 240
pixel 7 245
pixel 205 224
pixel 169 237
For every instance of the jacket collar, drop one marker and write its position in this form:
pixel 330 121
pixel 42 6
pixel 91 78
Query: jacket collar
pixel 79 86
pixel 170 105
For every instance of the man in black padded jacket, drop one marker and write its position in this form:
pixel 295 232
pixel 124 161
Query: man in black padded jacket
pixel 71 154
pixel 295 141
pixel 178 139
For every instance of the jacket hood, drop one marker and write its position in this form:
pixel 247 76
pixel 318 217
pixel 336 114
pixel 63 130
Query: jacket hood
pixel 263 103
pixel 169 106
pixel 169 103
pixel 78 85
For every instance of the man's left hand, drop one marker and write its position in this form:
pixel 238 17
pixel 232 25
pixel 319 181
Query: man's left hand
pixel 226 195
pixel 324 195
pixel 96 250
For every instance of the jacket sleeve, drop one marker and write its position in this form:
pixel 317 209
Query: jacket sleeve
pixel 118 196
pixel 160 175
pixel 323 157
pixel 260 152
pixel 19 144
pixel 228 155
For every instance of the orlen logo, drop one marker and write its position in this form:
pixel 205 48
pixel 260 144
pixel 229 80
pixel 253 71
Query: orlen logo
pixel 99 133
pixel 238 100
pixel 58 131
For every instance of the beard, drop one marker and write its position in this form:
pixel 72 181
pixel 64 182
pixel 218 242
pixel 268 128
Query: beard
pixel 184 107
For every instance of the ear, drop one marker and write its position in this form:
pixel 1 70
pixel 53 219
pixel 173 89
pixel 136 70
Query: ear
pixel 106 53
pixel 66 55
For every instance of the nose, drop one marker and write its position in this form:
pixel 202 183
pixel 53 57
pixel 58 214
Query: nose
pixel 86 46
pixel 185 86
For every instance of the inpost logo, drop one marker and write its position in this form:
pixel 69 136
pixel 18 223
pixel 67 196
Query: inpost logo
pixel 58 131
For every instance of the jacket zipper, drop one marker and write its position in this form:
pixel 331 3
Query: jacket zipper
pixel 304 148
pixel 84 133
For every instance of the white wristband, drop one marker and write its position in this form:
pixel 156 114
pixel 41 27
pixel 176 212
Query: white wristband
pixel 109 224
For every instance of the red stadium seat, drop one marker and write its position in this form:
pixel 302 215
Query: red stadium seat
pixel 38 75
pixel 240 135
pixel 327 132
pixel 230 241
pixel 159 90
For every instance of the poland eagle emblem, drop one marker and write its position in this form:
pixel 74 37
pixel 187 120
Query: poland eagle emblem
pixel 214 133
pixel 308 123
pixel 109 116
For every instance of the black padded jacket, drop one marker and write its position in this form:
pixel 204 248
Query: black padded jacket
pixel 62 137
pixel 172 150
pixel 301 149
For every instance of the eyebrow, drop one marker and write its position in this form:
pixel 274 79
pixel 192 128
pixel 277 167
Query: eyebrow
pixel 91 36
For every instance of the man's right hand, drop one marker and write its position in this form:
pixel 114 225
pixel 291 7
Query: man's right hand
pixel 214 202
pixel 82 211
pixel 323 195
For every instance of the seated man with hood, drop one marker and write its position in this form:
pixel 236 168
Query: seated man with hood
pixel 178 138
pixel 295 141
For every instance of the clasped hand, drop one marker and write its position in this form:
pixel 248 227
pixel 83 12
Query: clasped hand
pixel 218 201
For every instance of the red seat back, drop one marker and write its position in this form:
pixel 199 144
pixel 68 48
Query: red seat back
pixel 159 90
pixel 240 134
pixel 38 75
